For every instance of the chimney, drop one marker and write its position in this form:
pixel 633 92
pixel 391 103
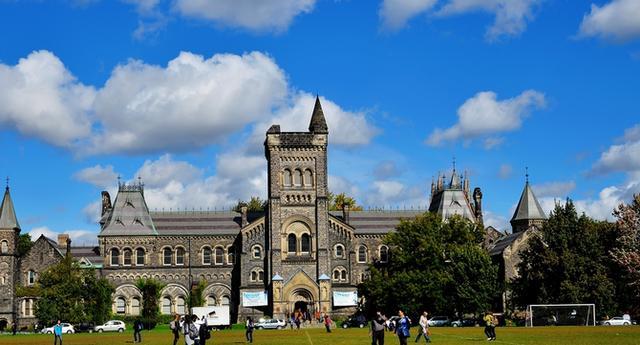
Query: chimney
pixel 345 213
pixel 63 240
pixel 243 211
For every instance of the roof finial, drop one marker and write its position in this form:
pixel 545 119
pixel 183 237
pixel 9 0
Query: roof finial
pixel 454 163
pixel 7 182
pixel 526 174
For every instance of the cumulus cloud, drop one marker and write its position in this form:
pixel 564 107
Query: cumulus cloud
pixel 622 157
pixel 389 193
pixel 78 237
pixel 164 170
pixel 98 175
pixel 396 13
pixel 511 16
pixel 485 115
pixel 39 97
pixel 497 221
pixel 618 20
pixel 272 15
pixel 555 189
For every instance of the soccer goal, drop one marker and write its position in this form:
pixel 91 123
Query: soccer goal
pixel 561 315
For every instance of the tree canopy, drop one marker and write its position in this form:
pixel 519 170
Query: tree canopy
pixel 255 204
pixel 150 290
pixel 73 294
pixel 435 265
pixel 338 201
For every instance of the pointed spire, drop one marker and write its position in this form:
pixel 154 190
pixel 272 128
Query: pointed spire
pixel 318 123
pixel 528 207
pixel 8 219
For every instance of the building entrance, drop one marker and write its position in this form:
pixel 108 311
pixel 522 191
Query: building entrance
pixel 302 304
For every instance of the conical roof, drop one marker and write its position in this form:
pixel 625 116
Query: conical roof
pixel 318 123
pixel 8 219
pixel 528 206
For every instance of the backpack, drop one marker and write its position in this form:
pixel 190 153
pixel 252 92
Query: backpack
pixel 193 331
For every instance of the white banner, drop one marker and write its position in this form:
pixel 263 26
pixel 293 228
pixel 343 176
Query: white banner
pixel 254 299
pixel 345 298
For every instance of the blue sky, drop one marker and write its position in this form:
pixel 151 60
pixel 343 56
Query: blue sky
pixel 180 93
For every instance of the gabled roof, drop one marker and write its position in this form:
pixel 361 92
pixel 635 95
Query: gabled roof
pixel 528 206
pixel 504 242
pixel 8 219
pixel 130 214
pixel 318 123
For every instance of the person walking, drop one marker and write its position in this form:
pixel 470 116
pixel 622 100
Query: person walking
pixel 57 333
pixel 249 332
pixel 190 331
pixel 327 323
pixel 377 329
pixel 424 327
pixel 174 325
pixel 402 327
pixel 137 328
pixel 204 330
pixel 489 328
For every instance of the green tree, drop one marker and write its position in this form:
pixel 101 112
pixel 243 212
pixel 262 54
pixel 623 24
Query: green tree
pixel 567 262
pixel 436 265
pixel 196 298
pixel 71 293
pixel 255 204
pixel 150 290
pixel 338 201
pixel 24 244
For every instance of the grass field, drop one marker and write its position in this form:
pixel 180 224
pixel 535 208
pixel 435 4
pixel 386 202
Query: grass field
pixel 542 335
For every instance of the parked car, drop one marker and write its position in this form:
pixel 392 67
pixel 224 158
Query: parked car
pixel 355 321
pixel 438 321
pixel 465 323
pixel 111 326
pixel 270 324
pixel 83 327
pixel 617 321
pixel 66 328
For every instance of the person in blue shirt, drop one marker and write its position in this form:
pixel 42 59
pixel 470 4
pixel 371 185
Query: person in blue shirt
pixel 57 333
pixel 402 327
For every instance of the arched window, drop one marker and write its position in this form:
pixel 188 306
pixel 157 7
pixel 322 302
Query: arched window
pixel 336 274
pixel 120 305
pixel 206 256
pixel 31 277
pixel 308 178
pixel 135 306
pixel 291 243
pixel 167 256
pixel 180 256
pixel 305 243
pixel 297 178
pixel 230 255
pixel 384 254
pixel 343 275
pixel 339 251
pixel 287 177
pixel 115 257
pixel 4 247
pixel 126 254
pixel 29 307
pixel 261 275
pixel 225 300
pixel 166 305
pixel 139 257
pixel 211 301
pixel 257 252
pixel 219 256
pixel 254 276
pixel 362 254
pixel 180 305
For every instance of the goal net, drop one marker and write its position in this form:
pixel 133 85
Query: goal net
pixel 561 315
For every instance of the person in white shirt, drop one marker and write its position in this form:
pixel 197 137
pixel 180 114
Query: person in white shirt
pixel 424 327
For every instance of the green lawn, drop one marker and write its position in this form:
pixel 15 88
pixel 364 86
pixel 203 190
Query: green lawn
pixel 539 335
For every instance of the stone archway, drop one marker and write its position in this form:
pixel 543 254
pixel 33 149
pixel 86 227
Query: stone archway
pixel 4 324
pixel 301 300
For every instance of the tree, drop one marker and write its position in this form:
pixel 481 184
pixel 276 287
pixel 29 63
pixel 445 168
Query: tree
pixel 255 204
pixel 436 265
pixel 337 202
pixel 74 294
pixel 150 290
pixel 567 262
pixel 24 244
pixel 626 253
pixel 196 296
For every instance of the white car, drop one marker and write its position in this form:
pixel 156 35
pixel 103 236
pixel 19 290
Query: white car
pixel 66 328
pixel 270 324
pixel 617 321
pixel 111 326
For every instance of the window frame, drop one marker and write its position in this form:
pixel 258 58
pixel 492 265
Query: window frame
pixel 362 249
pixel 144 254
pixel 302 244
pixel 335 251
pixel 206 251
pixel 117 257
pixel 291 236
pixel 4 247
pixel 180 250
pixel 124 257
pixel 253 252
pixel 386 254
pixel 165 251
pixel 216 254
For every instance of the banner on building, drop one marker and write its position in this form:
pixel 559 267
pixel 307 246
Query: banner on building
pixel 254 299
pixel 345 298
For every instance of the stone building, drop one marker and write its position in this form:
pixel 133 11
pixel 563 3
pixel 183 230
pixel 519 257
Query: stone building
pixel 9 231
pixel 297 254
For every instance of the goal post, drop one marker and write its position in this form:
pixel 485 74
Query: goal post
pixel 561 315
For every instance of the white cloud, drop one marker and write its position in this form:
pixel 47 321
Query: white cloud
pixel 144 6
pixel 386 169
pixel 504 172
pixel 485 115
pixel 623 157
pixel 165 170
pixel 497 221
pixel 78 237
pixel 39 97
pixel 396 13
pixel 492 142
pixel 555 189
pixel 98 175
pixel 618 20
pixel 272 15
pixel 511 16
pixel 389 193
